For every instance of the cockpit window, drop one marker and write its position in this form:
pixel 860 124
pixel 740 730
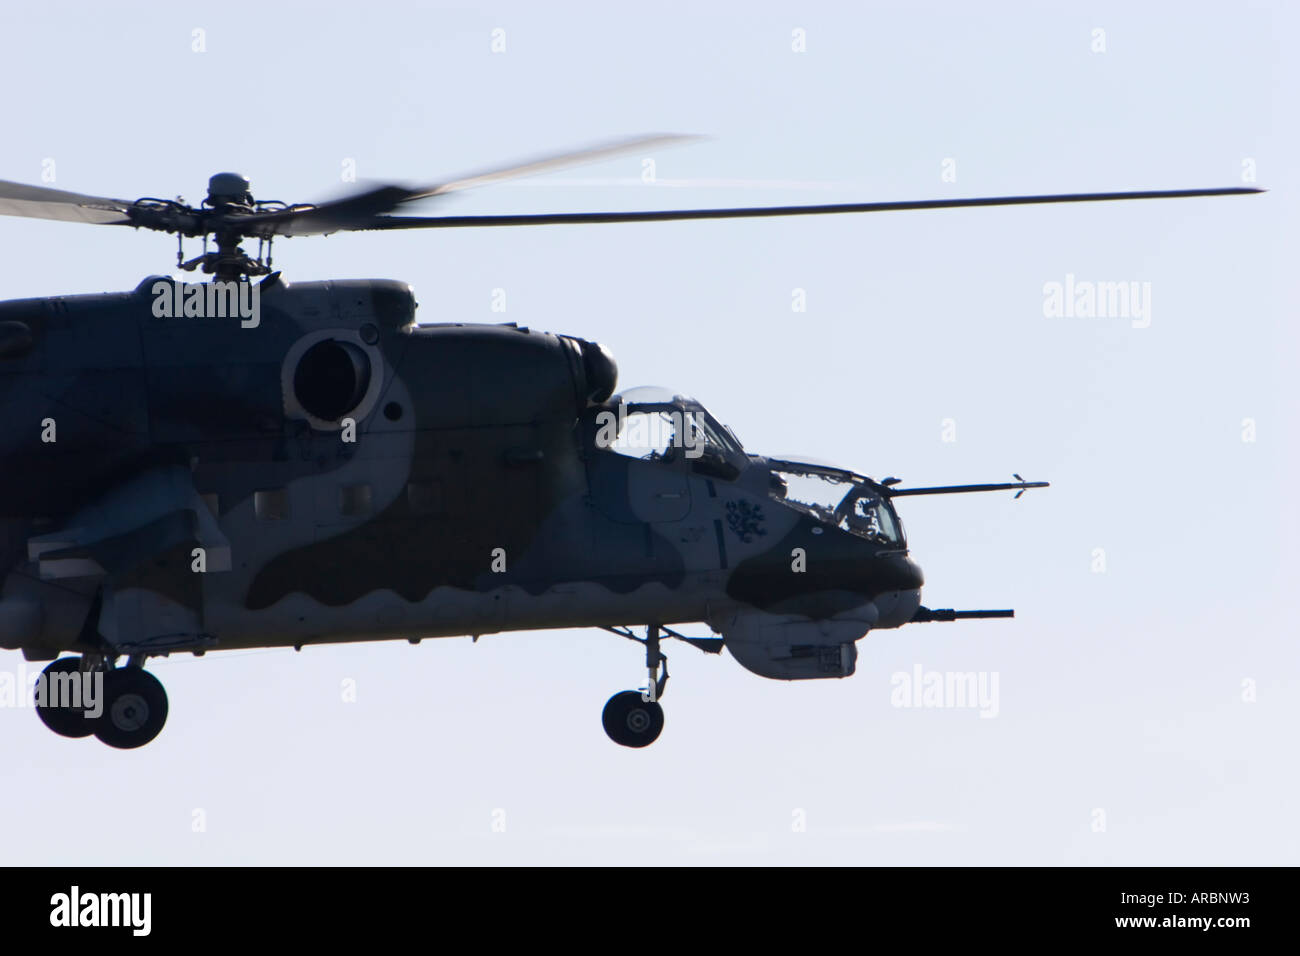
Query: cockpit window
pixel 869 517
pixel 641 434
pixel 655 423
pixel 711 433
pixel 840 499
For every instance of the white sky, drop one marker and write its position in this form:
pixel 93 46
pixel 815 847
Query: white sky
pixel 1120 691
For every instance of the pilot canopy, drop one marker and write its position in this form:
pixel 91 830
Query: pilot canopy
pixel 657 424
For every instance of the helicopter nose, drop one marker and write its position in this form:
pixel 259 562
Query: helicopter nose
pixel 896 608
pixel 902 573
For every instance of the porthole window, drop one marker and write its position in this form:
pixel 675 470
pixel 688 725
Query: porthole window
pixel 271 505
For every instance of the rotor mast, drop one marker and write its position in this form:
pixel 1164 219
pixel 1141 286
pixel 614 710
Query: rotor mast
pixel 229 197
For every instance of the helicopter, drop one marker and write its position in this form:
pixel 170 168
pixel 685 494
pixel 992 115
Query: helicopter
pixel 250 462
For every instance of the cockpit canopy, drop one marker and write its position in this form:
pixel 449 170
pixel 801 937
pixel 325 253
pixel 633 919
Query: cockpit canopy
pixel 654 422
pixel 658 424
pixel 840 498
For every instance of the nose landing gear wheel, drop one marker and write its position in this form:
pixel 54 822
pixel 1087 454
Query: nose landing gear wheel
pixel 66 721
pixel 632 721
pixel 135 708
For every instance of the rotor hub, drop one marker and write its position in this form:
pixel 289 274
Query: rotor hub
pixel 229 189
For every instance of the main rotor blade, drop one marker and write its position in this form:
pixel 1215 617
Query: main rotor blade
pixel 543 164
pixel 326 217
pixel 750 212
pixel 354 212
pixel 41 202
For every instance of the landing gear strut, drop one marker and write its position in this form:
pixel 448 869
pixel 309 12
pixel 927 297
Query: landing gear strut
pixel 635 718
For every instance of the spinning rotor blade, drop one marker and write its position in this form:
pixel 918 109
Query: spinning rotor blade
pixel 544 164
pixel 750 212
pixel 356 212
pixel 230 220
pixel 40 202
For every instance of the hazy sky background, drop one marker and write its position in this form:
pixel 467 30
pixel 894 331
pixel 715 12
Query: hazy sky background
pixel 1120 691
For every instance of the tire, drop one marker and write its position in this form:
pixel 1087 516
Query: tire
pixel 135 708
pixel 631 721
pixel 64 721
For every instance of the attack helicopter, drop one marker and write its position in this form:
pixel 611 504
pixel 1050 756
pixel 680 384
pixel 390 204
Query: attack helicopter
pixel 303 463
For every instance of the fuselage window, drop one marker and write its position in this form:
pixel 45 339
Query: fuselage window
pixel 271 505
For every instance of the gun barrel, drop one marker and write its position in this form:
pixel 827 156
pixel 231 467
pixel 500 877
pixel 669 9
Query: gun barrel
pixel 925 615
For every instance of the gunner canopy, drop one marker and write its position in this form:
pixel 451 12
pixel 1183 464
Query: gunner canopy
pixel 838 497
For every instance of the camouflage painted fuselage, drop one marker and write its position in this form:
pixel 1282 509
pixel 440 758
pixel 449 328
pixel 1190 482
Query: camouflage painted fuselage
pixel 338 473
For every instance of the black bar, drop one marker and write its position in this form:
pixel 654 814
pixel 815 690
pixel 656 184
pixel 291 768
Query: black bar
pixel 251 908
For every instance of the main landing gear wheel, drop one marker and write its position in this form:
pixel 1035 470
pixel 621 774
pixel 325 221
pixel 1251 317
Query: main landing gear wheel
pixel 135 708
pixel 631 720
pixel 66 721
